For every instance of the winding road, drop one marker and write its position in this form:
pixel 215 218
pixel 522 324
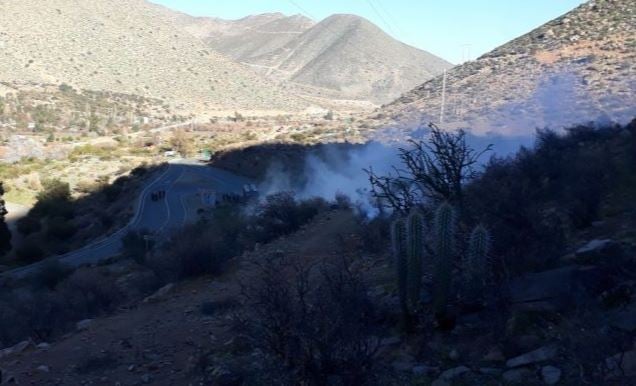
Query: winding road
pixel 181 181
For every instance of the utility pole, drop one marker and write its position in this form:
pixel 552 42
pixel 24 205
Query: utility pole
pixel 441 112
pixel 466 52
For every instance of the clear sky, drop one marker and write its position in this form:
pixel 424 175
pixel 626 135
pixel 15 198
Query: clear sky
pixel 456 30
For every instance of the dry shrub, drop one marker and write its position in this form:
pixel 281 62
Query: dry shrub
pixel 314 321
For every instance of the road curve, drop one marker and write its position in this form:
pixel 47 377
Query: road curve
pixel 182 179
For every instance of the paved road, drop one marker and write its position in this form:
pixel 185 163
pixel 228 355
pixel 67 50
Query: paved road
pixel 181 181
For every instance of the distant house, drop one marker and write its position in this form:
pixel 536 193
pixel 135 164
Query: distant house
pixel 31 126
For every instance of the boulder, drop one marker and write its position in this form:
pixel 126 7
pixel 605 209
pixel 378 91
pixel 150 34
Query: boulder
pixel 554 289
pixel 494 355
pixel 598 251
pixel 402 366
pixel 160 294
pixel 517 375
pixel 43 346
pixel 453 373
pixel 84 325
pixel 492 371
pixel 542 354
pixel 622 364
pixel 423 370
pixel 551 375
pixel 43 368
pixel 17 349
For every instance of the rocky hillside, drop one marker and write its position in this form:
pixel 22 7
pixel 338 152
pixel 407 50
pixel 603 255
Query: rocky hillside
pixel 574 69
pixel 128 46
pixel 341 57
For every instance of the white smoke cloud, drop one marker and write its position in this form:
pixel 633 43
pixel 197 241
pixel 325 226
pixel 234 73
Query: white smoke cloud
pixel 334 171
pixel 337 171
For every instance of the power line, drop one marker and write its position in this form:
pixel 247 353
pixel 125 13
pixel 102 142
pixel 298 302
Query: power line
pixel 390 16
pixel 336 35
pixel 375 10
pixel 302 10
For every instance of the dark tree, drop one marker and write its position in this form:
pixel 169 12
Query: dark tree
pixel 5 234
pixel 434 170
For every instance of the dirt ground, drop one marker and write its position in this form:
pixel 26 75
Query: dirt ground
pixel 161 342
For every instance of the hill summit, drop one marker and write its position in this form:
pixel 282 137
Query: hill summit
pixel 341 57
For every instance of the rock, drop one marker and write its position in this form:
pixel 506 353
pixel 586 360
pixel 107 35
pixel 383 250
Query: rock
pixel 539 355
pixel 160 294
pixel 517 375
pixel 539 289
pixel 554 289
pixel 490 371
pixel 597 250
pixel 453 373
pixel 622 364
pixel 551 375
pixel 391 341
pixel 146 378
pixel 43 346
pixel 7 378
pixel 440 382
pixel 494 355
pixel 43 368
pixel 22 346
pixel 423 370
pixel 84 325
pixel 223 376
pixel 402 366
pixel 453 355
pixel 18 348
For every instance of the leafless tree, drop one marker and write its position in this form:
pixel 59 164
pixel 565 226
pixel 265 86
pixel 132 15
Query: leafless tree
pixel 435 169
pixel 316 319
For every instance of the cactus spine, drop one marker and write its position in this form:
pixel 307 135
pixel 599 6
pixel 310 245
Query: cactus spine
pixel 476 266
pixel 415 255
pixel 400 246
pixel 444 254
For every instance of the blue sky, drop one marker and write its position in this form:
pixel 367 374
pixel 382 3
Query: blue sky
pixel 453 29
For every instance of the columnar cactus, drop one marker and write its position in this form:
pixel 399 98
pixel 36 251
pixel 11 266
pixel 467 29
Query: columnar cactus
pixel 415 255
pixel 476 264
pixel 444 254
pixel 400 253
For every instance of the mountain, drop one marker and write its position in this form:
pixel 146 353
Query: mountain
pixel 252 36
pixel 341 57
pixel 127 46
pixel 577 68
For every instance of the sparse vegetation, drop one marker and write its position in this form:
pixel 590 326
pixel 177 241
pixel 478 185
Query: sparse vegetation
pixel 5 234
pixel 311 322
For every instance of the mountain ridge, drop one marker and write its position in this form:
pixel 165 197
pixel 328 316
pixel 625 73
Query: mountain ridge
pixel 129 46
pixel 571 70
pixel 308 55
